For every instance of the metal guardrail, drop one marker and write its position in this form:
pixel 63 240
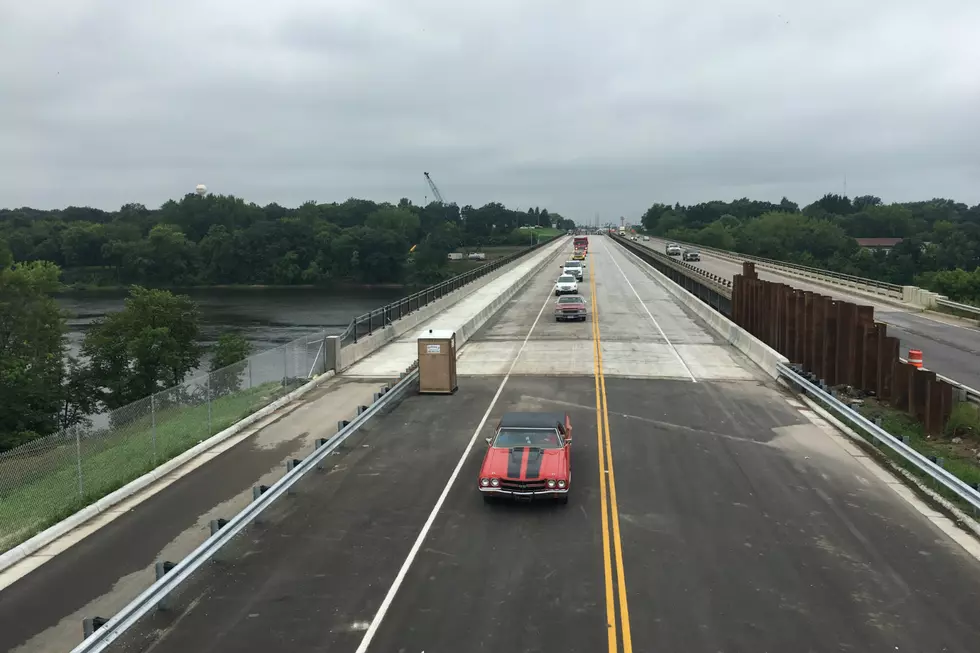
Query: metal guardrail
pixel 927 466
pixel 890 289
pixel 972 311
pixel 126 618
pixel 366 324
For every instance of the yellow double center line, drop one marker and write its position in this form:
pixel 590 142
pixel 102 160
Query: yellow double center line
pixel 607 500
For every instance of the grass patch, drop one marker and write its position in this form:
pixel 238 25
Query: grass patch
pixel 40 490
pixel 957 449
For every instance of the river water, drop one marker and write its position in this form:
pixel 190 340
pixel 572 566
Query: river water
pixel 268 318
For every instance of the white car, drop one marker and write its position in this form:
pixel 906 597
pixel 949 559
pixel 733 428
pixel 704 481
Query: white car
pixel 574 268
pixel 566 285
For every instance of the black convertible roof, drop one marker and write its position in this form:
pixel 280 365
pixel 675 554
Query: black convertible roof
pixel 532 420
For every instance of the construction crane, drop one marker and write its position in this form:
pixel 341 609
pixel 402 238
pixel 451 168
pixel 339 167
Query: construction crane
pixel 435 189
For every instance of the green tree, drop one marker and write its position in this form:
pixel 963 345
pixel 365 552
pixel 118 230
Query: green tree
pixel 150 345
pixel 31 348
pixel 228 363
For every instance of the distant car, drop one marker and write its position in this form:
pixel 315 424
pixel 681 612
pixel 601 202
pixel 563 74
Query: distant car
pixel 566 285
pixel 634 239
pixel 579 255
pixel 673 249
pixel 528 457
pixel 691 255
pixel 574 268
pixel 646 238
pixel 571 307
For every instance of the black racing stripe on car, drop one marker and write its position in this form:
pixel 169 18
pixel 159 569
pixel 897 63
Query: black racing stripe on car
pixel 514 460
pixel 535 457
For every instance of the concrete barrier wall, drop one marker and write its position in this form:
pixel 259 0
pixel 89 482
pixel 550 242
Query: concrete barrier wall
pixel 753 348
pixel 347 356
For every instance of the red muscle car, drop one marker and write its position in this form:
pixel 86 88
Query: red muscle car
pixel 529 457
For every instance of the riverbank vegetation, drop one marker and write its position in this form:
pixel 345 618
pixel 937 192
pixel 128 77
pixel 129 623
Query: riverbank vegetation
pixel 224 240
pixel 152 344
pixel 939 247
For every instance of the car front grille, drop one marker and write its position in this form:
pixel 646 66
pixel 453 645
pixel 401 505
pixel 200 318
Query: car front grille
pixel 522 486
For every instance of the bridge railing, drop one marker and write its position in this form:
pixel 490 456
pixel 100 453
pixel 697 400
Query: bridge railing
pixel 873 286
pixel 364 325
pixel 891 290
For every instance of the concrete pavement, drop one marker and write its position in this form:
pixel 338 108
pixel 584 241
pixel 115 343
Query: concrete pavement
pixel 950 347
pixel 709 511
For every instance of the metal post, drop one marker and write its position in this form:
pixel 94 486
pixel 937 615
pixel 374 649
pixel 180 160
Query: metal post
pixel 249 372
pixel 210 430
pixel 78 459
pixel 285 367
pixel 153 425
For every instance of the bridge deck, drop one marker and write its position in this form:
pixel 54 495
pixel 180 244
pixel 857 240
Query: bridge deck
pixel 741 524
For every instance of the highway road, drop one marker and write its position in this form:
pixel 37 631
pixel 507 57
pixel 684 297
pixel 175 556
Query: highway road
pixel 950 346
pixel 709 512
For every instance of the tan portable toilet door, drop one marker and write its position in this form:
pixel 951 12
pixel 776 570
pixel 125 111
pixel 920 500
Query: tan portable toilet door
pixel 437 362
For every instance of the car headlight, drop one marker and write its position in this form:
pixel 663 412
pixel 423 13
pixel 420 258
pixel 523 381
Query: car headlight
pixel 551 483
pixel 484 482
pixel 494 482
pixel 561 484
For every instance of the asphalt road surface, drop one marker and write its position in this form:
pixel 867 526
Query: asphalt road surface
pixel 709 512
pixel 951 347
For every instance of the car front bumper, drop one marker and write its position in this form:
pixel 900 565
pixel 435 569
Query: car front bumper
pixel 529 494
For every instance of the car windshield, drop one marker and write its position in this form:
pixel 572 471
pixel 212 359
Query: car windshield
pixel 572 264
pixel 566 278
pixel 517 437
pixel 571 299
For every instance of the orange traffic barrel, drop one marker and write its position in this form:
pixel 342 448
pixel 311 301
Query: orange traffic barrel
pixel 915 358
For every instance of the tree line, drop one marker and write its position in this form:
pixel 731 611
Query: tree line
pixel 222 239
pixel 153 343
pixel 940 247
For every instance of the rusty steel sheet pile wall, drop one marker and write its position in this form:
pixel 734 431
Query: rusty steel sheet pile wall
pixel 840 343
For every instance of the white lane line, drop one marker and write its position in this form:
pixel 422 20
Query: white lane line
pixel 663 335
pixel 390 596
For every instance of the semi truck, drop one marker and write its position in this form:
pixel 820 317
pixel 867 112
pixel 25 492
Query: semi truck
pixel 581 242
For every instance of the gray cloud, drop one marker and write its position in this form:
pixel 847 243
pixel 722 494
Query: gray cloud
pixel 580 106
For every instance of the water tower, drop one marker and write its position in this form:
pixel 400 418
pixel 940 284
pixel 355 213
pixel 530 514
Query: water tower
pixel 201 190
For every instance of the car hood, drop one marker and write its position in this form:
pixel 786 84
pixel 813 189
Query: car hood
pixel 525 463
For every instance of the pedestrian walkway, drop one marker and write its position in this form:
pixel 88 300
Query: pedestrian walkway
pixel 396 357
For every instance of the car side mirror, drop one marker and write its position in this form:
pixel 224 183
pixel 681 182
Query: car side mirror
pixel 568 440
pixel 489 440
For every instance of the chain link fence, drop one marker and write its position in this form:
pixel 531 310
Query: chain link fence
pixel 48 479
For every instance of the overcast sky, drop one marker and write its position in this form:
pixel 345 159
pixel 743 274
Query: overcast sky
pixel 580 106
